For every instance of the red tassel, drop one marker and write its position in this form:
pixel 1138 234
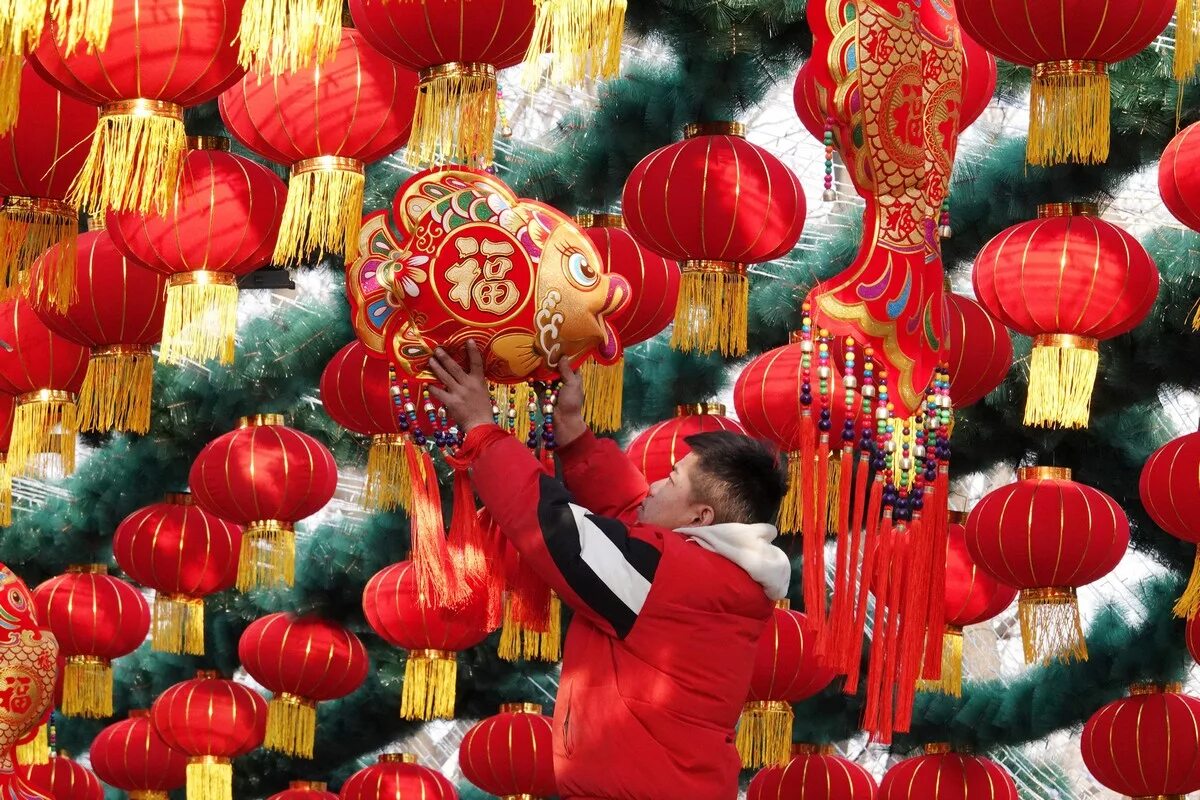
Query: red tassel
pixel 814 544
pixel 900 556
pixel 530 598
pixel 937 518
pixel 833 632
pixel 494 580
pixel 808 456
pixel 467 538
pixel 852 652
pixel 436 582
pixel 914 630
pixel 879 581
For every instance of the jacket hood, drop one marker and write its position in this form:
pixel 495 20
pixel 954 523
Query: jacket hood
pixel 748 546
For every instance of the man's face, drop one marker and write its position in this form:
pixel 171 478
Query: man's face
pixel 670 504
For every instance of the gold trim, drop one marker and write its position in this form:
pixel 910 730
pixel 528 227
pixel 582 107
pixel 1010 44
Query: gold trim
pixel 87 569
pixel 268 525
pixel 1051 595
pixel 956 517
pixel 1044 474
pixel 46 396
pixel 259 420
pixel 142 107
pixel 179 499
pixel 181 598
pixel 938 748
pixel 713 266
pixel 219 144
pixel 295 700
pixel 805 749
pixel 41 205
pixel 202 276
pixel 97 222
pixel 463 69
pixel 1048 69
pixel 700 409
pixel 1151 687
pixel 520 708
pixel 113 350
pixel 327 164
pixel 208 760
pixel 1066 341
pixel 600 220
pixel 726 128
pixel 398 758
pixel 1051 210
pixel 432 655
pixel 315 786
pixel 139 713
pixel 382 439
pixel 207 675
pixel 784 604
pixel 88 659
pixel 766 705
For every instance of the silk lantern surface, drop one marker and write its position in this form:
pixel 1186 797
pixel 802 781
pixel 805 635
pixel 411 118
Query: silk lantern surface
pixel 979 350
pixel 1169 486
pixel 304 790
pixel 657 450
pixel 813 773
pixel 131 756
pixel 63 779
pixel 944 775
pixel 511 753
pixel 397 776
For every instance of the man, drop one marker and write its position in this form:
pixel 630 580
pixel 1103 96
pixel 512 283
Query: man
pixel 671 584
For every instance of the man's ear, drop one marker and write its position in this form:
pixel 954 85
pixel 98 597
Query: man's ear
pixel 705 515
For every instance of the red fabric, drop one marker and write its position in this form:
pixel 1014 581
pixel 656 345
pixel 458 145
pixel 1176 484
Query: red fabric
pixel 303 790
pixel 714 197
pixel 1047 533
pixel 1076 274
pixel 949 776
pixel 39 358
pixel 1193 637
pixel 979 350
pixel 786 666
pixel 210 717
pixel 393 611
pixel 1145 745
pixel 116 300
pixel 43 153
pixel 394 780
pixel 653 284
pixel 1178 176
pixel 130 755
pixel 93 614
pixel 63 779
pixel 766 398
pixel 510 754
pixel 306 656
pixel 978 81
pixel 180 51
pixel 1029 32
pixel 356 391
pixel 225 219
pixel 178 548
pixel 808 104
pixel 263 472
pixel 813 776
pixel 421 35
pixel 972 595
pixel 1170 484
pixel 658 448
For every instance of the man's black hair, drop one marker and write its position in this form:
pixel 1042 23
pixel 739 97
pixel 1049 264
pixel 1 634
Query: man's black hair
pixel 740 477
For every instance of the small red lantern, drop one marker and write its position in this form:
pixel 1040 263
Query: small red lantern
pixel 305 790
pixel 397 776
pixel 980 350
pixel 95 618
pixel 211 720
pixel 184 554
pixel 1169 486
pixel 1179 176
pixel 304 661
pixel 813 773
pixel 63 779
pixel 941 774
pixel 265 477
pixel 131 756
pixel 660 447
pixel 1047 535
pixel 750 209
pixel 511 754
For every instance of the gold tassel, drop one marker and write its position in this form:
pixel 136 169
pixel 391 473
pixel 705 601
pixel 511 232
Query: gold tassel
pixel 29 226
pixel 209 778
pixel 87 687
pixel 952 665
pixel 1050 626
pixel 291 725
pixel 518 642
pixel 10 91
pixel 268 556
pixel 284 36
pixel 178 624
pixel 603 385
pixel 518 395
pixel 55 286
pixel 1069 108
pixel 116 390
pixel 455 118
pixel 713 309
pixel 148 794
pixel 833 499
pixel 429 678
pixel 388 484
pixel 200 320
pixel 1187 39
pixel 1196 316
pixel 582 37
pixel 44 423
pixel 1062 372
pixel 86 21
pixel 1189 602
pixel 6 493
pixel 36 750
pixel 135 160
pixel 323 213
pixel 791 509
pixel 21 25
pixel 764 733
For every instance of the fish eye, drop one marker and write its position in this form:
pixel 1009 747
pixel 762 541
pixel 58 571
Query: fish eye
pixel 16 599
pixel 581 271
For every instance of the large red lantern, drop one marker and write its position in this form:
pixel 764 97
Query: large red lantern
pixel 657 450
pixel 212 721
pixel 1048 535
pixel 184 554
pixel 162 56
pixel 511 754
pixel 304 790
pixel 813 773
pixel 979 352
pixel 304 661
pixel 717 204
pixel 326 123
pixel 432 636
pixel 941 774
pixel 397 776
pixel 95 618
pixel 1069 48
pixel 131 756
pixel 1068 279
pixel 265 477
pixel 63 779
pixel 1145 745
pixel 223 225
pixel 1169 486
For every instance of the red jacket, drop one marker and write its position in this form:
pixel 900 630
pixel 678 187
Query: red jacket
pixel 657 659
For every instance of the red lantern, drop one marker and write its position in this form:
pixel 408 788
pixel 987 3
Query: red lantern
pixel 944 775
pixel 511 754
pixel 456 47
pixel 1177 179
pixel 660 447
pixel 1068 279
pixel 63 779
pixel 743 206
pixel 222 226
pixel 1048 535
pixel 397 776
pixel 1069 48
pixel 304 790
pixel 1169 487
pixel 786 671
pixel 325 123
pixel 304 661
pixel 212 721
pixel 131 756
pixel 162 55
pixel 116 311
pixel 432 635
pixel 979 351
pixel 1145 745
pixel 1193 638
pixel 184 554
pixel 265 477
pixel 95 618
pixel 813 773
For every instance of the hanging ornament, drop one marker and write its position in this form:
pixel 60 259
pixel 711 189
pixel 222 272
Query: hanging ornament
pixel 813 773
pixel 397 776
pixel 131 756
pixel 979 350
pixel 63 778
pixel 1169 484
pixel 531 626
pixel 582 39
pixel 657 450
pixel 511 754
pixel 1179 170
pixel 743 206
pixel 1068 279
pixel 943 774
pixel 285 36
pixel 184 554
pixel 265 477
pixel 8 411
pixel 305 790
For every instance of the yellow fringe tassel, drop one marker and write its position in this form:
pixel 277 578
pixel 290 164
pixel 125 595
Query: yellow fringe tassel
pixel 429 678
pixel 134 164
pixel 55 287
pixel 603 385
pixel 116 390
pixel 1050 626
pixel 518 396
pixel 712 313
pixel 148 794
pixel 86 21
pixel 1196 316
pixel 455 118
pixel 1187 39
pixel 832 499
pixel 284 36
pixel 209 778
pixel 952 666
pixel 582 38
pixel 44 424
pixel 268 556
pixel 200 320
pixel 1069 110
pixel 10 91
pixel 791 509
pixel 1189 602
pixel 1060 386
pixel 764 733
pixel 87 688
pixel 291 725
pixel 323 213
pixel 36 750
pixel 6 493
pixel 178 625
pixel 28 228
pixel 517 642
pixel 21 24
pixel 388 484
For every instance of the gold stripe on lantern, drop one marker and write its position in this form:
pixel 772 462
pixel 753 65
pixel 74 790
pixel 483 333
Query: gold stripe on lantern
pixel 1069 107
pixel 291 725
pixel 429 685
pixel 582 39
pixel 455 117
pixel 323 213
pixel 200 320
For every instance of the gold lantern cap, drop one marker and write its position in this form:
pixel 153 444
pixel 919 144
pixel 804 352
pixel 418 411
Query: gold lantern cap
pixel 398 758
pixel 717 128
pixel 1083 209
pixel 1044 474
pixel 700 409
pixel 520 708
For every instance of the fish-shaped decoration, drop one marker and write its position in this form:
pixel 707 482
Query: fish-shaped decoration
pixel 28 670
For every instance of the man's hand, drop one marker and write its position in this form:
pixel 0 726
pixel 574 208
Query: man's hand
pixel 568 411
pixel 464 394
